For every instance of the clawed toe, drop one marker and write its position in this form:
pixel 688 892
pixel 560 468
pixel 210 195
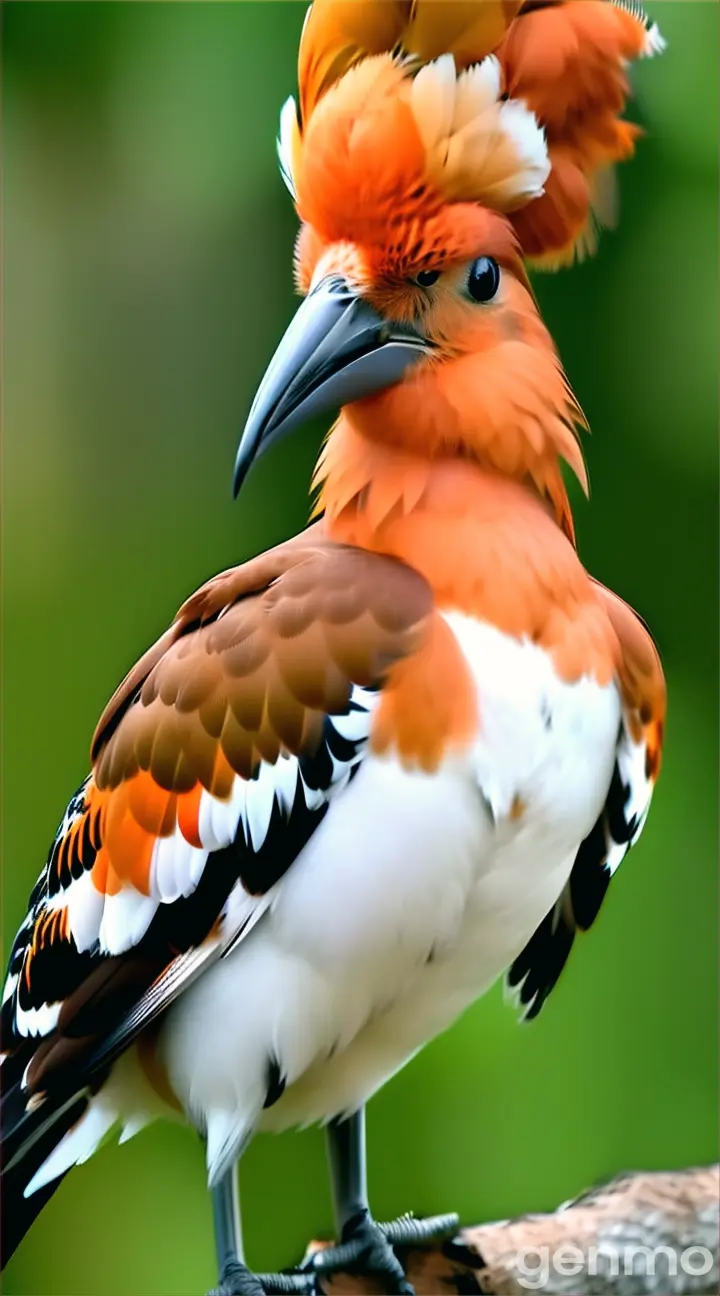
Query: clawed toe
pixel 367 1248
pixel 286 1284
pixel 238 1280
pixel 370 1255
pixel 409 1231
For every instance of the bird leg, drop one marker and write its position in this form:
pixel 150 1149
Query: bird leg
pixel 365 1246
pixel 235 1279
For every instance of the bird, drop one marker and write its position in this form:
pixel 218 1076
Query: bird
pixel 401 755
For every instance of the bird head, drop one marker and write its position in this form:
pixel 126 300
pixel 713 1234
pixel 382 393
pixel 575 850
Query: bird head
pixel 413 167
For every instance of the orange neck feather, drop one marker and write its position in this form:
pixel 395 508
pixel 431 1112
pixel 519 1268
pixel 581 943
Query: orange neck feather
pixel 493 393
pixel 488 545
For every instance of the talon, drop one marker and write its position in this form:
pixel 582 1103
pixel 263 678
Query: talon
pixel 409 1231
pixel 285 1284
pixel 366 1248
pixel 238 1280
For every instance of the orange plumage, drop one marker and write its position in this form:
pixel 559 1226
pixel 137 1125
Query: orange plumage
pixel 566 60
pixel 435 633
pixel 379 215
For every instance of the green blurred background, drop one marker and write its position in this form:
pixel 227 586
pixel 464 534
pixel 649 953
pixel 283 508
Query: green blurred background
pixel 148 245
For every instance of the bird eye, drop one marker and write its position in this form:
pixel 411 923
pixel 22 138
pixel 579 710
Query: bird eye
pixel 427 277
pixel 484 279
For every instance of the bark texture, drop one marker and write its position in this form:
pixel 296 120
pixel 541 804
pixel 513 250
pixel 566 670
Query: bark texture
pixel 641 1233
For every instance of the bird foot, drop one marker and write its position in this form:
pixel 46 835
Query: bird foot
pixel 367 1248
pixel 238 1280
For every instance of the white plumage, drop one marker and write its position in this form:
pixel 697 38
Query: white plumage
pixel 412 896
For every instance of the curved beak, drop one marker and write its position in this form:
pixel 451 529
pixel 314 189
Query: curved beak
pixel 336 350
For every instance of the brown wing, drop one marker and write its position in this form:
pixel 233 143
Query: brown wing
pixel 641 677
pixel 213 764
pixel 238 678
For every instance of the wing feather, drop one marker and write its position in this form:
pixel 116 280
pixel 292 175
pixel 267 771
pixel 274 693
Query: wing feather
pixel 213 765
pixel 536 970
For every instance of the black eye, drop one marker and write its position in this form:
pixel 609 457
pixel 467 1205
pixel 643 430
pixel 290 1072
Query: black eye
pixel 484 279
pixel 427 277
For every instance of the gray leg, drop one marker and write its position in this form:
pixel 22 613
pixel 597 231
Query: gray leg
pixel 226 1221
pixel 348 1168
pixel 366 1247
pixel 235 1279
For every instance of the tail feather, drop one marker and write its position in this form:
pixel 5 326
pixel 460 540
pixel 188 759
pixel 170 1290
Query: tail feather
pixel 29 1137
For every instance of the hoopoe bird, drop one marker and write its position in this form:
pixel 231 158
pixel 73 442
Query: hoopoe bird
pixel 368 772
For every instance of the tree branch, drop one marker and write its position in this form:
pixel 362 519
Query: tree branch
pixel 641 1233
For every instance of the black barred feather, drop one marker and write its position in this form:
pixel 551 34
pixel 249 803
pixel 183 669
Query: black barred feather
pixel 536 970
pixel 106 1000
pixel 27 1138
pixel 17 1212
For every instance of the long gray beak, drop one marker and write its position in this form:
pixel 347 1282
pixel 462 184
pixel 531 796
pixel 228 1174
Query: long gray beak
pixel 336 350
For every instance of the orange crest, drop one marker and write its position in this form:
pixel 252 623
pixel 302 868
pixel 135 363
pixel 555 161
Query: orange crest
pixel 407 106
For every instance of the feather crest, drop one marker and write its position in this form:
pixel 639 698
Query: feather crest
pixel 516 106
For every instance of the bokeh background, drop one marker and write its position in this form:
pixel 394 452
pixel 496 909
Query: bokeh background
pixel 148 245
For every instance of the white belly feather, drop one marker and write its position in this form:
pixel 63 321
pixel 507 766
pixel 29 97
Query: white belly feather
pixel 411 898
pixel 413 895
